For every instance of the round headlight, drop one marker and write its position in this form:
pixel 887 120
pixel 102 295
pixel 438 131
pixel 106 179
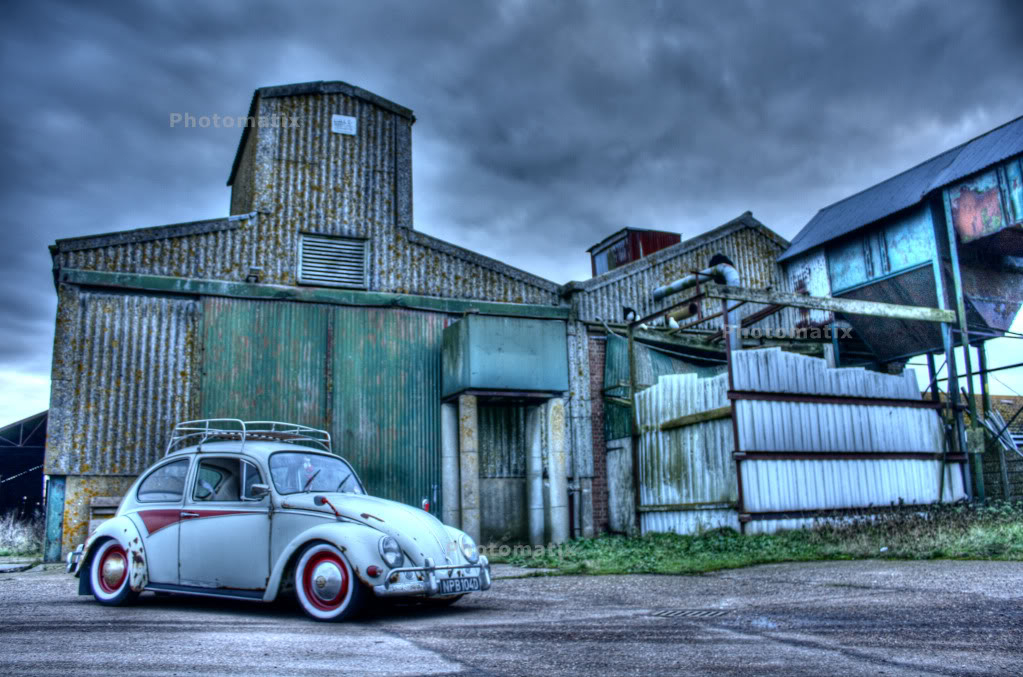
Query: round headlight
pixel 390 552
pixel 469 548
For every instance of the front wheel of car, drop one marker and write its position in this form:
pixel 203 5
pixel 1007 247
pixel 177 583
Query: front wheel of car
pixel 326 587
pixel 110 574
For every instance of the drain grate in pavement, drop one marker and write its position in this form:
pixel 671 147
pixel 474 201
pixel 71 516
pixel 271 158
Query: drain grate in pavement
pixel 689 613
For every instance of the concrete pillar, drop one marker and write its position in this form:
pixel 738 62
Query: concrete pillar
pixel 534 474
pixel 449 485
pixel 469 465
pixel 554 419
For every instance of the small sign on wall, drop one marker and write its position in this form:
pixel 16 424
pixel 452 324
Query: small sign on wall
pixel 343 124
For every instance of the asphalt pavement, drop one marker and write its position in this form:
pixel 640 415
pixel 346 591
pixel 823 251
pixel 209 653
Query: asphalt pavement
pixel 838 618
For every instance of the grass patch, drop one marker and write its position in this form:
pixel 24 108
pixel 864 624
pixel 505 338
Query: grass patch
pixel 21 537
pixel 994 531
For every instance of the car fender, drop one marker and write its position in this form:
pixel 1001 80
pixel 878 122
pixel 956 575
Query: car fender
pixel 357 541
pixel 122 530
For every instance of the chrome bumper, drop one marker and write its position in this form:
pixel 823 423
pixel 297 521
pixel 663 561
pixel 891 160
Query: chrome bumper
pixel 74 557
pixel 430 584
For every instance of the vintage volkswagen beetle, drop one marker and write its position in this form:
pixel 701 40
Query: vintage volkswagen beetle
pixel 245 510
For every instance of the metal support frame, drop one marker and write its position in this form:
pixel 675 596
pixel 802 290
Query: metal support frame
pixel 778 300
pixel 964 340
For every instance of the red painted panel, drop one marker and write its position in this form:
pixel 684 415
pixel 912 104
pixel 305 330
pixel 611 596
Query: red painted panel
pixel 158 519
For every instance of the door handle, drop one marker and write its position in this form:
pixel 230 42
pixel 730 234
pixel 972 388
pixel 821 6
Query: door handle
pixel 189 514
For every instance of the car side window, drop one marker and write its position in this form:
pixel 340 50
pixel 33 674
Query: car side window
pixel 250 476
pixel 217 480
pixel 165 484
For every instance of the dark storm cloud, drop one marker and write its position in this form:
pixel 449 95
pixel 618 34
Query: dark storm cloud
pixel 542 126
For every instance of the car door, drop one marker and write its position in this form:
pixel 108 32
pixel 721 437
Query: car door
pixel 225 531
pixel 159 498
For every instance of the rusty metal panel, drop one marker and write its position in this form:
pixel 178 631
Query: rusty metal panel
pixel 1014 188
pixel 125 377
pixel 690 466
pixel 502 441
pixel 807 274
pixel 977 206
pixel 265 361
pixel 503 513
pixel 386 366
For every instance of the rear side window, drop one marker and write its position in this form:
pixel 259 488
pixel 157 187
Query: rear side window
pixel 166 483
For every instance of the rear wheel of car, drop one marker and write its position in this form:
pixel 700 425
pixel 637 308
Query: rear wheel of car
pixel 110 574
pixel 326 587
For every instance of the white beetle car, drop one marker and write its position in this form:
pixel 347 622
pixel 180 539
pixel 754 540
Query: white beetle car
pixel 245 509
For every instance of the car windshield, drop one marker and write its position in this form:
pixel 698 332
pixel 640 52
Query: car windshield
pixel 296 471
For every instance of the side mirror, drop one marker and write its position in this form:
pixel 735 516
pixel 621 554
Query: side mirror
pixel 319 500
pixel 259 490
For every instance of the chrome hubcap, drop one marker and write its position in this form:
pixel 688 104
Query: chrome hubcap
pixel 326 581
pixel 113 569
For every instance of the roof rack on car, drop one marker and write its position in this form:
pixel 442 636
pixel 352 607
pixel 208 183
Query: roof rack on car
pixel 189 433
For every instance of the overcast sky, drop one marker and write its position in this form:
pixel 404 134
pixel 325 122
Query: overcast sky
pixel 542 126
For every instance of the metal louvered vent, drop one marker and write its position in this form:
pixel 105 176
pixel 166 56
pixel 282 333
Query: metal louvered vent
pixel 332 261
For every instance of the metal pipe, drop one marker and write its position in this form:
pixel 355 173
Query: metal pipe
pixel 721 273
pixel 983 372
pixel 534 474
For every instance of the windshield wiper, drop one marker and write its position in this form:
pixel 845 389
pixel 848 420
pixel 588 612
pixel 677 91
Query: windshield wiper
pixel 343 482
pixel 310 480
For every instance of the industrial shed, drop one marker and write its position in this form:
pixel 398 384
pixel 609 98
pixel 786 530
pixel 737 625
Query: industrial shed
pixel 945 234
pixel 22 445
pixel 440 373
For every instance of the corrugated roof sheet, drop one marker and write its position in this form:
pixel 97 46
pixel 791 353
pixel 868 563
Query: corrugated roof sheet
pixel 908 188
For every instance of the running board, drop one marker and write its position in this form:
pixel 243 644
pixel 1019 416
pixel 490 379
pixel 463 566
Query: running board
pixel 254 595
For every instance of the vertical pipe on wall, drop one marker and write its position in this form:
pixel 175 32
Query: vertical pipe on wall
pixel 554 419
pixel 534 475
pixel 469 465
pixel 634 427
pixel 450 490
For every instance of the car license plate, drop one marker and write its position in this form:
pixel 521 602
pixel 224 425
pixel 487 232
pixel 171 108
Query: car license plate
pixel 450 586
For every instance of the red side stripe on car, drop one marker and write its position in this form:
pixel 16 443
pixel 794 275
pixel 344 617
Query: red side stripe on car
pixel 158 519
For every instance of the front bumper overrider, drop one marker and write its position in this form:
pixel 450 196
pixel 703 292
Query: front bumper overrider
pixel 407 581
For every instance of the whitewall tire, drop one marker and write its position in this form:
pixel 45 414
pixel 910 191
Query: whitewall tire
pixel 110 574
pixel 326 586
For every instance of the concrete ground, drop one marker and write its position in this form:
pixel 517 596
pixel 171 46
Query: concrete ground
pixel 855 618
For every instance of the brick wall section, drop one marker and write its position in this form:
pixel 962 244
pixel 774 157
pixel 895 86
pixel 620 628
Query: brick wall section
pixel 597 347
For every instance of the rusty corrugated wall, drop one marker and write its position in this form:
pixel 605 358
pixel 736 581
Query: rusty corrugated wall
pixel 124 373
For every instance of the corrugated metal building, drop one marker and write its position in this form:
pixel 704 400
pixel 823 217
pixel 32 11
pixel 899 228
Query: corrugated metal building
pixel 317 302
pixel 947 234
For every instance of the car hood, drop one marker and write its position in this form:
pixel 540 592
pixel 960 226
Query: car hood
pixel 419 533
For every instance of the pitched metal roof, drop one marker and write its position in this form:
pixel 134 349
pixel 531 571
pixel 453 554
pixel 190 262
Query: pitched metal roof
pixel 908 188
